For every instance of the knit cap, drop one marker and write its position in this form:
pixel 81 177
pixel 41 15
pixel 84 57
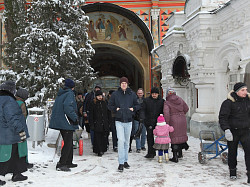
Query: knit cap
pixel 124 79
pixel 9 86
pixel 170 91
pixel 161 120
pixel 22 93
pixel 238 86
pixel 69 83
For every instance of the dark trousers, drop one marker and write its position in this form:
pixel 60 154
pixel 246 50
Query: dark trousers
pixel 150 140
pixel 67 150
pixel 114 134
pixel 243 136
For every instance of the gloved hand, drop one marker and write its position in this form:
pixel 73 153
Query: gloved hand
pixel 150 127
pixel 228 135
pixel 141 121
pixel 22 135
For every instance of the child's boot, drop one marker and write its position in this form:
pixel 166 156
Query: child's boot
pixel 160 159
pixel 166 157
pixel 233 175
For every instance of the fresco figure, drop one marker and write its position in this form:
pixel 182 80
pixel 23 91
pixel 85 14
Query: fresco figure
pixel 92 31
pixel 109 29
pixel 100 25
pixel 122 33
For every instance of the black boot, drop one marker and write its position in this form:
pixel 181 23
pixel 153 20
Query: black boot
pixel 2 183
pixel 175 157
pixel 233 175
pixel 19 177
pixel 248 176
pixel 186 146
pixel 180 154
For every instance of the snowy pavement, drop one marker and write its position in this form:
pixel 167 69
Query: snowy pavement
pixel 96 171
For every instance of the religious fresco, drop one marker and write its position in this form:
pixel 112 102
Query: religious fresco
pixel 115 29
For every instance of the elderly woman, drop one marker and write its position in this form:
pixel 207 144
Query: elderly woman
pixel 13 130
pixel 175 110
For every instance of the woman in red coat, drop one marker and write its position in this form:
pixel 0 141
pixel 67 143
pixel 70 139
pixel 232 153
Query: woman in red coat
pixel 175 110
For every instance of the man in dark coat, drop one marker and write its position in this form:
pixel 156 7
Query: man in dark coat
pixel 124 103
pixel 152 108
pixel 64 118
pixel 234 119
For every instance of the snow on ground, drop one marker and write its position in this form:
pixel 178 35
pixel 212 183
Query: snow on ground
pixel 95 171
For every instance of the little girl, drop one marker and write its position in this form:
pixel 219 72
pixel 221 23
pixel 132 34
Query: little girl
pixel 162 139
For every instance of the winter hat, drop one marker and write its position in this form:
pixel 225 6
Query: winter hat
pixel 238 86
pixel 98 92
pixel 69 83
pixel 124 79
pixel 155 90
pixel 9 86
pixel 161 120
pixel 97 86
pixel 170 91
pixel 22 93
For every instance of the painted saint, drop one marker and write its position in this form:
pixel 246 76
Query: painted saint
pixel 100 25
pixel 122 33
pixel 109 29
pixel 92 31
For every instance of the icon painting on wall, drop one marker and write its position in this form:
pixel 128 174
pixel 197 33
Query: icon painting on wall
pixel 118 30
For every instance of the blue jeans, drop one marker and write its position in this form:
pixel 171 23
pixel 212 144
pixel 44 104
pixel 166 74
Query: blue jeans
pixel 123 131
pixel 140 142
pixel 160 152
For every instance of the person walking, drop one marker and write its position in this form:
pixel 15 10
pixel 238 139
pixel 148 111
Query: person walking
pixel 152 108
pixel 86 104
pixel 124 103
pixel 64 118
pixel 162 139
pixel 79 102
pixel 234 119
pixel 99 123
pixel 175 110
pixel 141 138
pixel 21 96
pixel 13 130
pixel 111 115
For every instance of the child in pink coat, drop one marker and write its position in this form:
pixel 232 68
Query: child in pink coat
pixel 162 139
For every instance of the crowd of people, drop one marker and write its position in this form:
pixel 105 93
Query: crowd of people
pixel 127 115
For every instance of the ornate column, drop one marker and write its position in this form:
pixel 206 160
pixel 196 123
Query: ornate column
pixel 156 75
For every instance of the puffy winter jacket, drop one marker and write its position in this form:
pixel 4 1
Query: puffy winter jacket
pixel 235 112
pixel 123 100
pixel 64 111
pixel 12 121
pixel 162 132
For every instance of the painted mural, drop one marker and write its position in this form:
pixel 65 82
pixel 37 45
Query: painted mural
pixel 118 30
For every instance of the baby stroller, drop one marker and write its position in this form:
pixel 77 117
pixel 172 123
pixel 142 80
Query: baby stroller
pixel 78 141
pixel 212 146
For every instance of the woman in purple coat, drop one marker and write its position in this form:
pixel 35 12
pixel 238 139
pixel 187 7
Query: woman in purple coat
pixel 175 110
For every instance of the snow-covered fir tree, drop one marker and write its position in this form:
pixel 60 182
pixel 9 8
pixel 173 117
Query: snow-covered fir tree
pixel 53 45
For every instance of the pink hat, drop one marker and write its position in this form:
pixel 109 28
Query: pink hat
pixel 160 119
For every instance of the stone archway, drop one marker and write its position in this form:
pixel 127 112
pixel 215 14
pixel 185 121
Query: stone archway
pixel 122 43
pixel 180 71
pixel 111 60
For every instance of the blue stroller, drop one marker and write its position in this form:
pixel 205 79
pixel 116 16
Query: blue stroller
pixel 211 147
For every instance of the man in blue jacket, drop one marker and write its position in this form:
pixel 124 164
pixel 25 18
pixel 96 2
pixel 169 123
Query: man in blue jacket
pixel 123 103
pixel 64 118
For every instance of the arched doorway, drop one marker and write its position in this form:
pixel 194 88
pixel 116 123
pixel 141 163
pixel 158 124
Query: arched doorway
pixel 122 43
pixel 110 60
pixel 180 71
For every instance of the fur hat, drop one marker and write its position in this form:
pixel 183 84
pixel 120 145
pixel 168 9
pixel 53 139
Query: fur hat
pixel 155 90
pixel 98 92
pixel 238 86
pixel 9 86
pixel 69 83
pixel 22 93
pixel 97 86
pixel 161 120
pixel 124 79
